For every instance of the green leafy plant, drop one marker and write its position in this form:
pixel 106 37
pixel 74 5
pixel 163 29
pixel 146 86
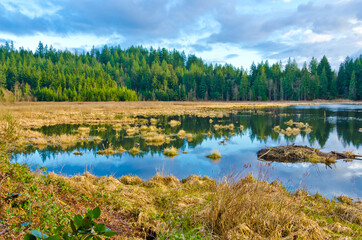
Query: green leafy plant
pixel 83 228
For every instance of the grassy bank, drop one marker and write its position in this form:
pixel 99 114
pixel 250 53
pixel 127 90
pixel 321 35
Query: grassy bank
pixel 167 208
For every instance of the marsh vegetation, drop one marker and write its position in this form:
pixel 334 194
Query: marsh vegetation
pixel 115 146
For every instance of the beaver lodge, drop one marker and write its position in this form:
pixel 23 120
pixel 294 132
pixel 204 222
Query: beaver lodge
pixel 297 153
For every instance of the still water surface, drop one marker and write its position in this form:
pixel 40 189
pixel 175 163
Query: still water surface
pixel 334 127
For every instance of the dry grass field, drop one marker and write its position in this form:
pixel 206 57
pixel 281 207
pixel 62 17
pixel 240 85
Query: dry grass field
pixel 37 114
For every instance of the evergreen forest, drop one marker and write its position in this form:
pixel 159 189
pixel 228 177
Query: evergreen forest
pixel 137 73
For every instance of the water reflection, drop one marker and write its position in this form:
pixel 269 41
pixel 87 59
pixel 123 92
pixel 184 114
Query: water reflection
pixel 334 127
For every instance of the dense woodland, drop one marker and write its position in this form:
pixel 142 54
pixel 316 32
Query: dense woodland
pixel 136 73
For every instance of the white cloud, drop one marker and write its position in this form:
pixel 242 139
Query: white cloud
pixel 312 37
pixel 71 41
pixel 304 36
pixel 357 30
pixel 31 9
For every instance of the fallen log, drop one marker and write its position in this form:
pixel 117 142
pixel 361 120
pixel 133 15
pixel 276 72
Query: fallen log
pixel 297 153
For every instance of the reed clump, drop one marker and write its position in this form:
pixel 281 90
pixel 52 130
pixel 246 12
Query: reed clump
pixel 156 140
pixel 153 121
pixel 276 128
pixel 77 153
pixel 224 127
pixel 215 154
pixel 174 123
pixel 117 127
pixel 134 151
pixel 101 129
pixel 189 137
pixel 132 131
pixel 131 180
pixel 107 151
pixel 83 130
pixel 290 122
pixel 111 151
pixel 170 152
pixel 249 209
pixel 181 134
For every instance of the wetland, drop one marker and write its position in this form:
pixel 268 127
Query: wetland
pixel 177 145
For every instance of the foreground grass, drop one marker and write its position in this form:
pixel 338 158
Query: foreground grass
pixel 166 208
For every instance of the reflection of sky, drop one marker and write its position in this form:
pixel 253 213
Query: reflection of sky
pixel 238 152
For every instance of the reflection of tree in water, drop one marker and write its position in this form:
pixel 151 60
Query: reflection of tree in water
pixel 348 128
pixel 258 125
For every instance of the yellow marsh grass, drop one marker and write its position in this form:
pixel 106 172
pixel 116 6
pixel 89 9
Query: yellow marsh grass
pixel 156 140
pixel 131 180
pixel 108 151
pixel 153 129
pixel 290 131
pixel 83 130
pixel 250 209
pixel 170 152
pixel 276 129
pixel 228 127
pixel 39 140
pixel 174 123
pixel 117 127
pixel 121 149
pixel 215 154
pixel 132 131
pixel 307 130
pixel 153 121
pixel 189 137
pixel 111 151
pixel 37 114
pixel 134 151
pixel 290 122
pixel 144 128
pixel 96 139
pixel 295 131
pixel 101 129
pixel 181 134
pixel 299 124
pixel 149 134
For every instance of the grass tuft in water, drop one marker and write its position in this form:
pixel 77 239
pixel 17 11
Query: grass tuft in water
pixel 215 154
pixel 170 152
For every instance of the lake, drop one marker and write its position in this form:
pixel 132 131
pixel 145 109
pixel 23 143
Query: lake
pixel 334 127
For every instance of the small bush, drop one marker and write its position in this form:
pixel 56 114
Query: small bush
pixel 82 228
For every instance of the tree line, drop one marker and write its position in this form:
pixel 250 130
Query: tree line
pixel 137 73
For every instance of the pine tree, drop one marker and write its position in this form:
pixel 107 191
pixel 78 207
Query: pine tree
pixel 2 78
pixel 323 84
pixel 353 87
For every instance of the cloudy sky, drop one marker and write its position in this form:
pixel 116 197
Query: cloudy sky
pixel 220 31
